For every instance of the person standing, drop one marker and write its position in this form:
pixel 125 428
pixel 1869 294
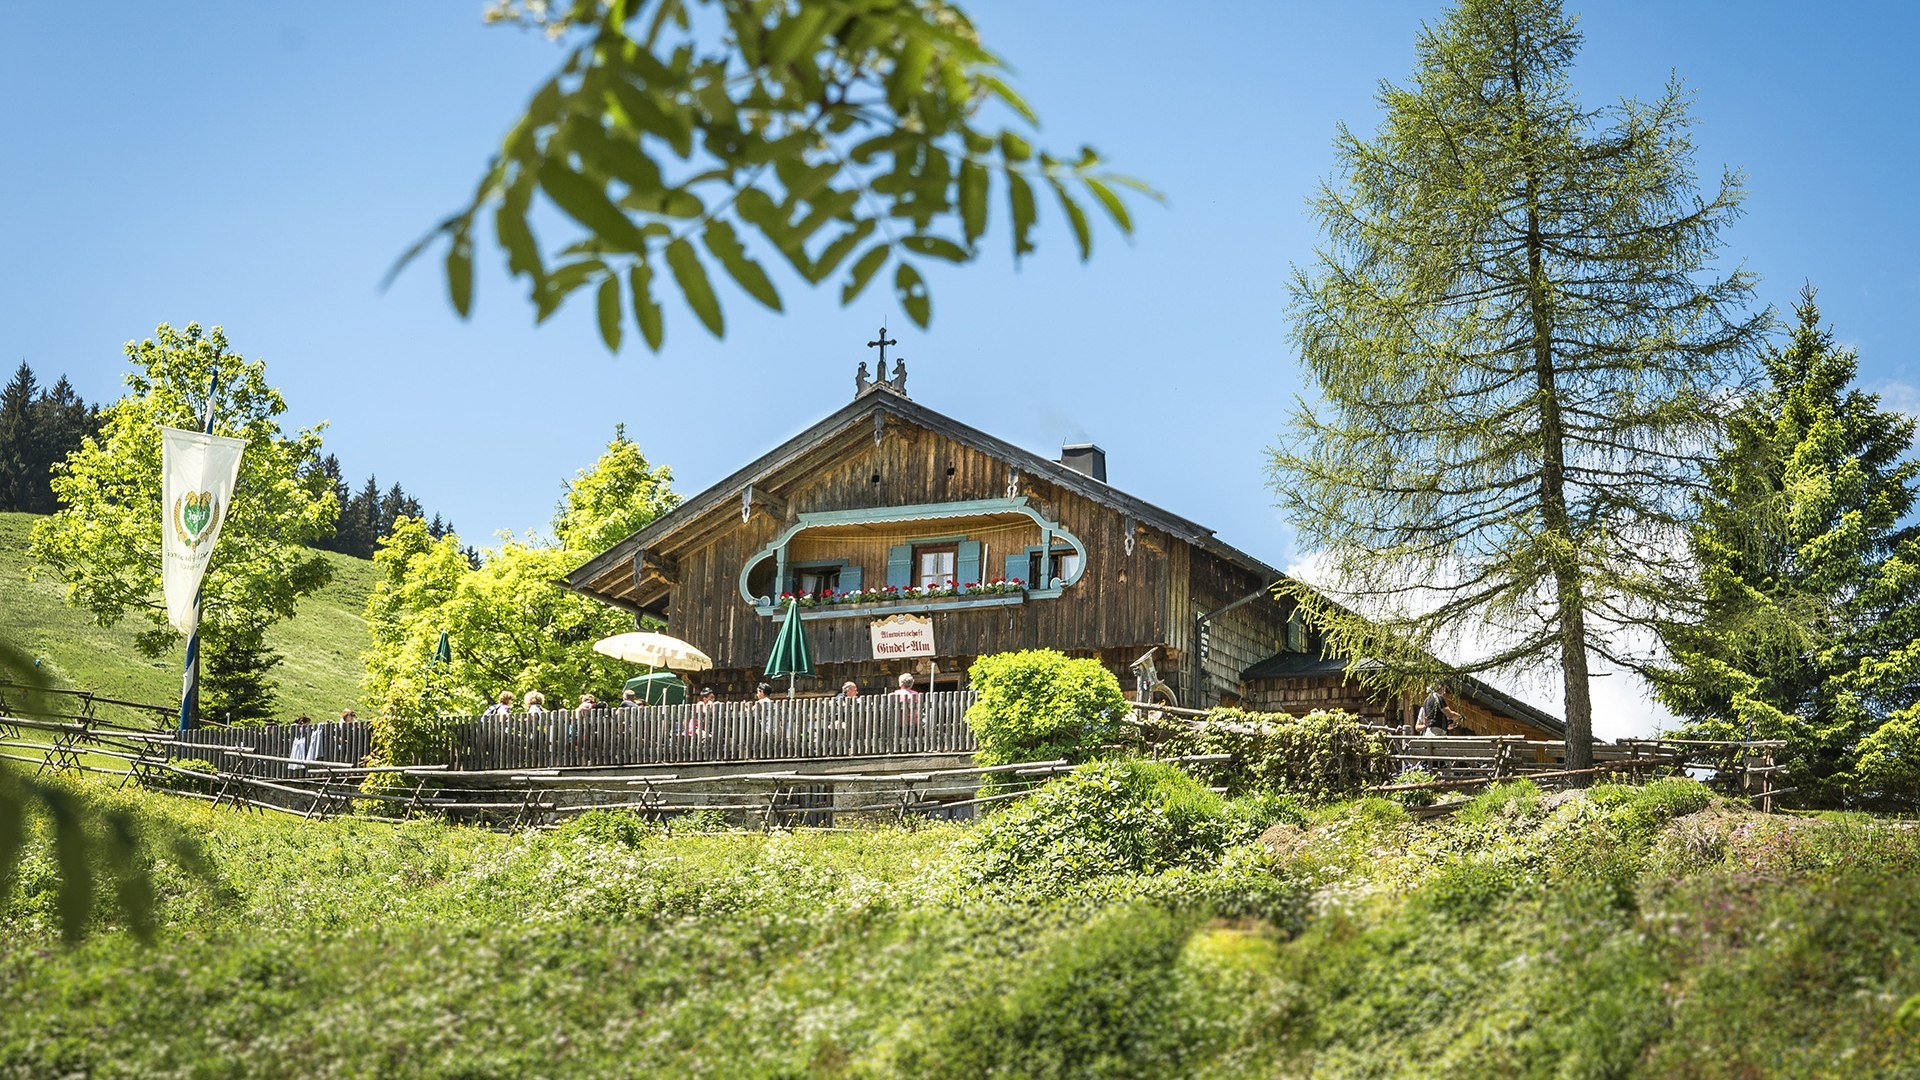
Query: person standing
pixel 1435 717
pixel 502 706
pixel 302 732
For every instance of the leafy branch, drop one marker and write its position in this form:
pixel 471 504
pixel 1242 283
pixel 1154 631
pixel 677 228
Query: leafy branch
pixel 843 136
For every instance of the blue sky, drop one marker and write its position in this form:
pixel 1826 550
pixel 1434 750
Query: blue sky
pixel 260 165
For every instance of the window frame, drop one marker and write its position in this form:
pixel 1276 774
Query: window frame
pixel 1053 563
pixel 949 548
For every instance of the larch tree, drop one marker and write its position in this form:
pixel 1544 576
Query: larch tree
pixel 1523 348
pixel 1809 562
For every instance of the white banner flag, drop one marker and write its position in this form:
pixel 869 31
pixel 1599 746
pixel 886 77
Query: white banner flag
pixel 197 474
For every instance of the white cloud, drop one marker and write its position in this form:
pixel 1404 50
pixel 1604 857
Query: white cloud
pixel 1900 397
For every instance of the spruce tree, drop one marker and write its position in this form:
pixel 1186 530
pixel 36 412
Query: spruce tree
pixel 61 420
pixel 236 684
pixel 17 438
pixel 1809 630
pixel 363 515
pixel 1521 350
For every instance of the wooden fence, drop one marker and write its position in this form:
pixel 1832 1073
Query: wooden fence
pixel 805 729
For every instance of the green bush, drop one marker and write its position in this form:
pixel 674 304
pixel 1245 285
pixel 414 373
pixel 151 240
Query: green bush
pixel 1111 817
pixel 1042 705
pixel 1319 756
pixel 1411 777
pixel 1095 1002
pixel 177 778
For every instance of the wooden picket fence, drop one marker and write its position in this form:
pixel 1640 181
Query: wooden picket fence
pixel 804 729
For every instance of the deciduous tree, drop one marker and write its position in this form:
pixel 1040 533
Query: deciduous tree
pixel 104 542
pixel 510 626
pixel 1522 348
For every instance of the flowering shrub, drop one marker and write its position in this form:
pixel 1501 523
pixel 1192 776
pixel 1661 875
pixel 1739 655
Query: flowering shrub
pixel 877 594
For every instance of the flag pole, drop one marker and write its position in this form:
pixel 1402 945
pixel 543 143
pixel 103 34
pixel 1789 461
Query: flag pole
pixel 190 677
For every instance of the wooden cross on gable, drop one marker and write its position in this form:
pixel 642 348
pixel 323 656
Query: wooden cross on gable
pixel 880 381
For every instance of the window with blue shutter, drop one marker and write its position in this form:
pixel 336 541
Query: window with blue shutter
pixel 849 578
pixel 967 565
pixel 1017 567
pixel 900 566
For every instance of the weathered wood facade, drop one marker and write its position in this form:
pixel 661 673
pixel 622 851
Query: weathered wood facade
pixel 884 489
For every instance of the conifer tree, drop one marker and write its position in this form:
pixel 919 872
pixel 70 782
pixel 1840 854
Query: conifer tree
pixel 1521 349
pixel 17 438
pixel 1810 573
pixel 60 421
pixel 236 684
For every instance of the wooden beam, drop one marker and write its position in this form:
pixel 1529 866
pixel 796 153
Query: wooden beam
pixel 776 507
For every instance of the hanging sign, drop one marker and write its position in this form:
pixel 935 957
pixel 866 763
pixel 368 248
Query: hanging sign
pixel 903 635
pixel 197 475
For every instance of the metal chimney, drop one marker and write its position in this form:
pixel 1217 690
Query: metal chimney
pixel 1085 458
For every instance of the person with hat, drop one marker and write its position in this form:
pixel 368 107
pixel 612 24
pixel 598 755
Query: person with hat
pixel 702 715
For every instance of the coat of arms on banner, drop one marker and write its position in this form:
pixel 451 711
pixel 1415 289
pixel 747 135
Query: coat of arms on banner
pixel 193 516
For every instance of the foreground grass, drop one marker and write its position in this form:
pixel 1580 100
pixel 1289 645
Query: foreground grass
pixel 1629 932
pixel 321 644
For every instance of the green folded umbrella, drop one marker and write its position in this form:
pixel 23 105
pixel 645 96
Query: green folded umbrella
pixel 443 652
pixel 791 657
pixel 658 688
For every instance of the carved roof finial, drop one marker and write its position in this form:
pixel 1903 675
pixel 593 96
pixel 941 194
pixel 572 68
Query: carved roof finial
pixel 880 381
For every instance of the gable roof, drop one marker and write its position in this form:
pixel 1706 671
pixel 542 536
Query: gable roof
pixel 879 400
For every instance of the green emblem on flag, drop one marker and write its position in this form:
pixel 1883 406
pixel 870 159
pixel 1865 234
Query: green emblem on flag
pixel 193 516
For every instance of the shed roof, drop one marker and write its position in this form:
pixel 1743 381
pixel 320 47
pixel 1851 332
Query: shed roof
pixel 1284 665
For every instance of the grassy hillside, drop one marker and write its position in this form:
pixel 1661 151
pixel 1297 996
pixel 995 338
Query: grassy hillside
pixel 1650 931
pixel 322 643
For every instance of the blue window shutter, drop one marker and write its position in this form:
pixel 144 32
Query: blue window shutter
pixel 900 565
pixel 966 562
pixel 849 578
pixel 1017 567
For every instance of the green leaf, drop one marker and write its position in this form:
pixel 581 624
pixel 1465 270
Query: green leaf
pixel 1005 93
pixel 938 247
pixel 973 200
pixel 553 289
pixel 833 254
pixel 1116 209
pixel 523 252
pixel 541 111
pixel 725 245
pixel 1082 235
pixel 460 274
pixel 1014 148
pixel 798 35
pixel 587 202
pixel 691 276
pixel 863 271
pixel 912 292
pixel 909 73
pixel 613 156
pixel 645 310
pixel 609 304
pixel 1020 201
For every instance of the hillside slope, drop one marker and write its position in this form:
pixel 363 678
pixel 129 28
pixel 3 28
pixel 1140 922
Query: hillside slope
pixel 322 643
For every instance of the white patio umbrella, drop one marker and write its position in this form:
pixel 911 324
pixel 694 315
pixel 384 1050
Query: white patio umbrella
pixel 653 650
